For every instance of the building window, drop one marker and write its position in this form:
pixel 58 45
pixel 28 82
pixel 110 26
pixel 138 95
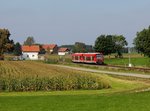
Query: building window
pixel 27 56
pixel 32 55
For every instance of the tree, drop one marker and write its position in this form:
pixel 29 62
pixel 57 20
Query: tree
pixel 142 41
pixel 110 44
pixel 30 41
pixel 120 42
pixel 17 49
pixel 9 46
pixel 89 48
pixel 5 43
pixel 79 47
pixel 104 44
pixel 42 50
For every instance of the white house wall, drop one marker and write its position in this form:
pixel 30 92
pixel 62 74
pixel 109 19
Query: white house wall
pixel 62 53
pixel 30 55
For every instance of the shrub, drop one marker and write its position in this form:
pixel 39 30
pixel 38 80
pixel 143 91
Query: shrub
pixel 51 61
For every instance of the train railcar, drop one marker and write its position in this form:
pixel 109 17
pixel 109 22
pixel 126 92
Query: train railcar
pixel 95 58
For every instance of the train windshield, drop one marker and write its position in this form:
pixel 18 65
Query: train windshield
pixel 99 56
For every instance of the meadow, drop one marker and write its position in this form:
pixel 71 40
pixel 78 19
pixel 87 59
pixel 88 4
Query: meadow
pixel 66 101
pixel 137 60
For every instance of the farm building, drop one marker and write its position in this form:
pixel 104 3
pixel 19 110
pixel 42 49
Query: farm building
pixel 30 52
pixel 51 48
pixel 63 51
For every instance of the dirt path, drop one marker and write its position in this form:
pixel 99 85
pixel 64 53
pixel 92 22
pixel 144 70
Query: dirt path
pixel 106 72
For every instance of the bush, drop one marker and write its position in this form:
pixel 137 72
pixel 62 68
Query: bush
pixel 51 61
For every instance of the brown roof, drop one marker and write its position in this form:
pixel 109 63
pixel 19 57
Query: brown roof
pixel 50 46
pixel 32 48
pixel 63 49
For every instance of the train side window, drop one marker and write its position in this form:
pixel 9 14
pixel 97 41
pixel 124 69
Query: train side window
pixel 92 58
pixel 88 58
pixel 76 57
pixel 73 57
pixel 84 57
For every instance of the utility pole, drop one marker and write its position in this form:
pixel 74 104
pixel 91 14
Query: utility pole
pixel 129 52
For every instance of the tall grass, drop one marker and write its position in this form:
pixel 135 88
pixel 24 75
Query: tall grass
pixel 36 76
pixel 54 59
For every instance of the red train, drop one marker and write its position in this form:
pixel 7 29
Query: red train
pixel 96 58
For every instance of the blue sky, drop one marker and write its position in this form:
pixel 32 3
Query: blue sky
pixel 69 21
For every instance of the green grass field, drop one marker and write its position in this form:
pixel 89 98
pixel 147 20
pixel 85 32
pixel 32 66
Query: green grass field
pixel 77 102
pixel 137 62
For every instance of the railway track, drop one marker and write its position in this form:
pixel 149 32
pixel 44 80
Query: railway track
pixel 130 68
pixel 127 74
pixel 120 67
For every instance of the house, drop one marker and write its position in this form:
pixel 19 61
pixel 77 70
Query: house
pixel 63 51
pixel 30 52
pixel 51 48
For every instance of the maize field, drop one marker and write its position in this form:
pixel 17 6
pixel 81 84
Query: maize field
pixel 38 76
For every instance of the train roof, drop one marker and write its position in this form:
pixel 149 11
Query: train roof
pixel 77 53
pixel 91 53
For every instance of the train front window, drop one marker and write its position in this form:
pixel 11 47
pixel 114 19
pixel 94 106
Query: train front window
pixel 99 56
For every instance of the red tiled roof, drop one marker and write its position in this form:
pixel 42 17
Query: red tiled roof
pixel 63 49
pixel 51 46
pixel 32 48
